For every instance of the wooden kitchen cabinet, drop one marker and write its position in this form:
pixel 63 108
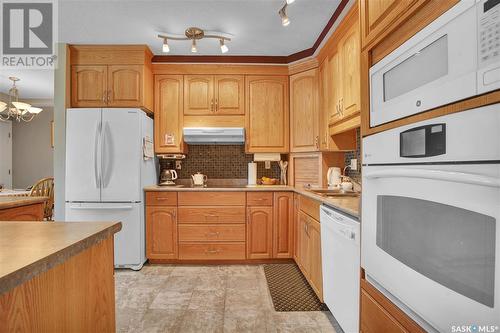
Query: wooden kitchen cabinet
pixel 311 168
pixel 124 85
pixel 111 76
pixel 304 117
pixel 89 85
pixel 168 111
pixel 335 87
pixel 29 212
pixel 259 232
pixel 267 118
pixel 378 15
pixel 214 95
pixel 283 225
pixel 161 232
pixel 302 247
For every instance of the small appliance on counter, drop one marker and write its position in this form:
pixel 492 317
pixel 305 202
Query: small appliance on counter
pixel 199 179
pixel 167 177
pixel 252 173
pixel 334 177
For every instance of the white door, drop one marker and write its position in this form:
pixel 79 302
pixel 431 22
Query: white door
pixel 6 154
pixel 121 155
pixel 83 154
pixel 129 241
pixel 437 227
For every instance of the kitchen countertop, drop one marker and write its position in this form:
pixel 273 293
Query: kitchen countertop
pixel 13 201
pixel 28 249
pixel 347 205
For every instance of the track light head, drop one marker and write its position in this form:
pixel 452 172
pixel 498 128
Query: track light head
pixel 165 47
pixel 285 20
pixel 194 49
pixel 223 47
pixel 289 1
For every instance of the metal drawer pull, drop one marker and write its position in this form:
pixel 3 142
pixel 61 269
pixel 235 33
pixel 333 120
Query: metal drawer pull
pixel 212 251
pixel 212 234
pixel 161 199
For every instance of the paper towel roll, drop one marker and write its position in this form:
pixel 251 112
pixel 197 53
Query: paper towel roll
pixel 252 173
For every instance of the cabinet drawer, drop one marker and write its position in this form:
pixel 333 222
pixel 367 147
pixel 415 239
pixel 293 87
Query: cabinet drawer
pixel 212 198
pixel 211 232
pixel 211 251
pixel 161 198
pixel 309 206
pixel 212 214
pixel 259 198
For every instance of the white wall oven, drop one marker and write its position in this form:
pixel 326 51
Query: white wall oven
pixel 430 218
pixel 455 57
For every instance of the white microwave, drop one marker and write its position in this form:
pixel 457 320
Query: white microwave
pixel 455 57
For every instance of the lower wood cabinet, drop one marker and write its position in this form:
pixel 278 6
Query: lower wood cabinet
pixel 161 232
pixel 212 251
pixel 308 246
pixel 32 212
pixel 259 232
pixel 283 225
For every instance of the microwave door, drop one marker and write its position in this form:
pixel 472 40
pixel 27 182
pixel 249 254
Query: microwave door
pixel 435 67
pixel 437 227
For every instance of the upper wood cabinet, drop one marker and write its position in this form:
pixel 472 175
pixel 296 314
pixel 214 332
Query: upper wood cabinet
pixel 168 110
pixel 111 76
pixel 350 50
pixel 230 94
pixel 377 16
pixel 89 85
pixel 283 225
pixel 304 117
pixel 267 118
pixel 259 232
pixel 161 232
pixel 214 95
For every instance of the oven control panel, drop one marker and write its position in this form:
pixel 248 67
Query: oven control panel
pixel 489 31
pixel 423 141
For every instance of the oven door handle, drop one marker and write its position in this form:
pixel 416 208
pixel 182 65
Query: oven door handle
pixel 450 176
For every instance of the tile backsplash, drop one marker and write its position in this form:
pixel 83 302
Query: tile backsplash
pixel 220 162
pixel 355 175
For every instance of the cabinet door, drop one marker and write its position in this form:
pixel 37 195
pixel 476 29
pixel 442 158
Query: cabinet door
pixel 168 111
pixel 230 94
pixel 283 225
pixel 349 102
pixel 335 87
pixel 88 86
pixel 267 119
pixel 161 232
pixel 302 246
pixel 259 232
pixel 199 95
pixel 374 318
pixel 315 271
pixel 125 85
pixel 323 88
pixel 377 16
pixel 304 117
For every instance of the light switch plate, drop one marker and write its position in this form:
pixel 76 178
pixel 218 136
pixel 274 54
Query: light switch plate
pixel 178 165
pixel 268 164
pixel 354 164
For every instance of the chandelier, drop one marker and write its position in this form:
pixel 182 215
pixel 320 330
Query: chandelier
pixel 15 110
pixel 194 34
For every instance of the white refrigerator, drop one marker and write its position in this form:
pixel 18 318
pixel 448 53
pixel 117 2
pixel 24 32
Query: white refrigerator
pixel 105 174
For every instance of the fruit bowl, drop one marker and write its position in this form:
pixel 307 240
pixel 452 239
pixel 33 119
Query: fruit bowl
pixel 269 181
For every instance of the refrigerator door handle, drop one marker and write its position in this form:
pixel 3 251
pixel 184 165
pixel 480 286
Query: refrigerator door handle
pixel 101 207
pixel 96 155
pixel 107 151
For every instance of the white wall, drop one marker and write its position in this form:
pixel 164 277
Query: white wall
pixel 6 154
pixel 32 157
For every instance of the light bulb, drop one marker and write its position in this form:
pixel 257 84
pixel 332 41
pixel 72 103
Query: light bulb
pixel 223 47
pixel 35 110
pixel 284 17
pixel 165 47
pixel 285 21
pixel 289 1
pixel 193 46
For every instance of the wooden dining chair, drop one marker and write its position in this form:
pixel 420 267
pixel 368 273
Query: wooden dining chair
pixel 45 188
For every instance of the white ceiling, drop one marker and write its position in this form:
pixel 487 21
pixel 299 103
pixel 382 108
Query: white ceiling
pixel 33 84
pixel 255 24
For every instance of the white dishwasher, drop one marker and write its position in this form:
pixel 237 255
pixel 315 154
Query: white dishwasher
pixel 340 250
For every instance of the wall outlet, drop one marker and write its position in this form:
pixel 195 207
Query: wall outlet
pixel 267 164
pixel 354 164
pixel 178 165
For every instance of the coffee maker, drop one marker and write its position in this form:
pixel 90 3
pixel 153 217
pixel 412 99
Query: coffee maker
pixel 168 175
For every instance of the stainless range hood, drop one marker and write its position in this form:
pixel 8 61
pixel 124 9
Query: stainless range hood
pixel 214 135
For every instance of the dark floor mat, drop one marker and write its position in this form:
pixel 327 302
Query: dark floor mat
pixel 290 290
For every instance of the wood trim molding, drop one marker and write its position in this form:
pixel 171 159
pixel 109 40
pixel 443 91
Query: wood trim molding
pixel 258 59
pixel 219 69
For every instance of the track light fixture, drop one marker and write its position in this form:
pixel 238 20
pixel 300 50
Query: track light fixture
pixel 193 34
pixel 285 20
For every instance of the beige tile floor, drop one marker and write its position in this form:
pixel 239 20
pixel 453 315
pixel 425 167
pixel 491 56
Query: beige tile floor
pixel 233 298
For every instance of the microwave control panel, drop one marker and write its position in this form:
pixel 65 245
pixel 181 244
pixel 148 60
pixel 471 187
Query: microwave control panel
pixel 489 32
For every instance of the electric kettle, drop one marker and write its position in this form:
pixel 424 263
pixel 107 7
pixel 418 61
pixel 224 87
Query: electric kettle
pixel 334 177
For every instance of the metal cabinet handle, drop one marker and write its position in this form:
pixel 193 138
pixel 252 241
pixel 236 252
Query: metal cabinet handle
pixel 212 234
pixel 161 199
pixel 216 105
pixel 316 141
pixel 212 105
pixel 342 106
pixel 212 251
